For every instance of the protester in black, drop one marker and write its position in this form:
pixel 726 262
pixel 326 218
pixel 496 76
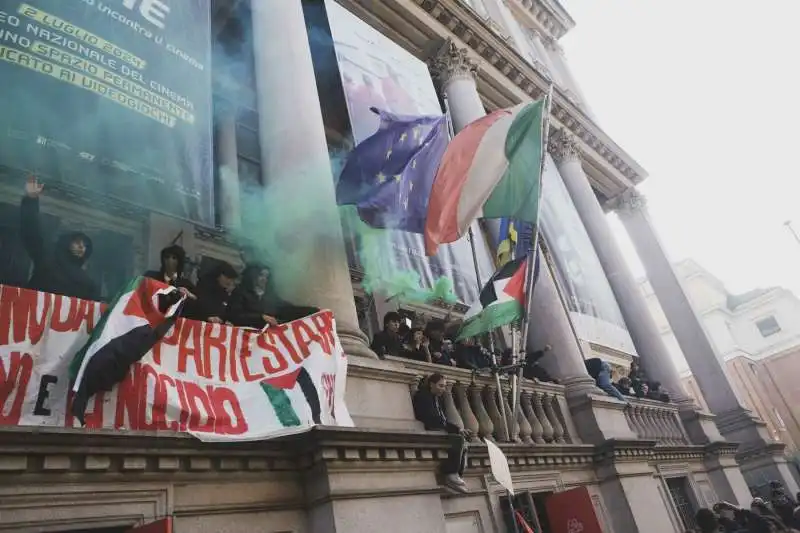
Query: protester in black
pixel 417 347
pixel 213 292
pixel 388 341
pixel 171 271
pixel 429 410
pixel 61 269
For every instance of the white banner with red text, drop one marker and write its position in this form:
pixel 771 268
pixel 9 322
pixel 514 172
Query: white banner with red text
pixel 217 382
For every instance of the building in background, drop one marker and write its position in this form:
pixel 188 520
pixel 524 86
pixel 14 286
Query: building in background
pixel 757 334
pixel 280 100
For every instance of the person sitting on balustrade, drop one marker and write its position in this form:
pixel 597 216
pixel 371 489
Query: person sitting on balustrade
pixel 57 269
pixel 429 410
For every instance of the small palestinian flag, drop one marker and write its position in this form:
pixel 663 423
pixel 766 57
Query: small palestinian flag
pixel 502 301
pixel 136 320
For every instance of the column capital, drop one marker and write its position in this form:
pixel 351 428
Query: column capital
pixel 451 63
pixel 563 146
pixel 630 202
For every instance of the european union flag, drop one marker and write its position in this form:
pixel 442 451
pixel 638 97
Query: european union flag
pixel 389 176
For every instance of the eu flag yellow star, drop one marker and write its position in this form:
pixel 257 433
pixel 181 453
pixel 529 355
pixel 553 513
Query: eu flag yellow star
pixel 381 177
pixel 398 177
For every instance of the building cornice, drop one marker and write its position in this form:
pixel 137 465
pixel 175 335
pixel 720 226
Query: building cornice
pixel 505 78
pixel 547 16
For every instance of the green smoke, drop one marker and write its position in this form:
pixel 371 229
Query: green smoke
pixel 376 256
pixel 285 223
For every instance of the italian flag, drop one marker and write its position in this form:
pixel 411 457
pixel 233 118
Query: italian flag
pixel 502 301
pixel 491 169
pixel 139 317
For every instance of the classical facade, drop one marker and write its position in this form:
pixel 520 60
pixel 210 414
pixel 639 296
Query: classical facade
pixel 756 334
pixel 646 466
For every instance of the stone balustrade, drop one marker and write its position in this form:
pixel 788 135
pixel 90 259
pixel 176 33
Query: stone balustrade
pixel 657 421
pixel 471 402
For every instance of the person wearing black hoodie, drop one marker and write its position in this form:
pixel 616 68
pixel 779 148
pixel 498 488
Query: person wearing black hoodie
pixel 213 293
pixel 173 262
pixel 62 268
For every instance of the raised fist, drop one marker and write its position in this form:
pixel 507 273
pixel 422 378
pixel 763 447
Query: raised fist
pixel 32 187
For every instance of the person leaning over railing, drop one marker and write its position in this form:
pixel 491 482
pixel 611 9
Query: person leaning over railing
pixel 429 410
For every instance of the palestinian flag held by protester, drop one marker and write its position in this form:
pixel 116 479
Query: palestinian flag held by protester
pixel 501 302
pixel 491 169
pixel 133 323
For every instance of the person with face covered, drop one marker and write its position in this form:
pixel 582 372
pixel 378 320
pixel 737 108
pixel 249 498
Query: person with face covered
pixel 213 294
pixel 173 261
pixel 255 304
pixel 60 269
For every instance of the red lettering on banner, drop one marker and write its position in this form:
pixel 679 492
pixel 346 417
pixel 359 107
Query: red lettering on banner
pixel 245 355
pixel 233 352
pixel 70 322
pixel 86 313
pixel 304 336
pixel 18 315
pixel 280 332
pixel 129 405
pixel 184 416
pixel 324 323
pixel 214 341
pixel 199 408
pixel 162 398
pixel 220 398
pixel 329 388
pixel 274 363
pixel 15 374
pixel 157 421
pixel 193 330
pixel 93 418
pixel 170 339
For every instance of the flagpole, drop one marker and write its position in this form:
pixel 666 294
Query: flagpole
pixel 501 400
pixel 533 253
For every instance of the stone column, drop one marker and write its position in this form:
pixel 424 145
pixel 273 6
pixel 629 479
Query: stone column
pixel 653 354
pixel 455 72
pixel 735 421
pixel 228 159
pixel 295 162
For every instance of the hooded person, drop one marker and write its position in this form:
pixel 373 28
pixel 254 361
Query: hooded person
pixel 171 272
pixel 255 303
pixel 212 294
pixel 60 269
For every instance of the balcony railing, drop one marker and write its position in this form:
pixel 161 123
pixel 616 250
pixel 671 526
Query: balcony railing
pixel 471 402
pixel 657 421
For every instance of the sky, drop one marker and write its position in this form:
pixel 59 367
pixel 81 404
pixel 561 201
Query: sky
pixel 705 94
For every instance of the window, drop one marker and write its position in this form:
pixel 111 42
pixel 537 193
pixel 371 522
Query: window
pixel 768 326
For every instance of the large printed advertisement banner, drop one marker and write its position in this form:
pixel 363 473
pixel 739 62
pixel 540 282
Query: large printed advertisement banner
pixel 376 72
pixel 113 96
pixel 217 382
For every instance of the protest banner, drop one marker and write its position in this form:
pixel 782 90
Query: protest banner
pixel 217 382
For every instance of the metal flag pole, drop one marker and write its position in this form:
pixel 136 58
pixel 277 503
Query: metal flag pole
pixel 533 253
pixel 789 226
pixel 471 236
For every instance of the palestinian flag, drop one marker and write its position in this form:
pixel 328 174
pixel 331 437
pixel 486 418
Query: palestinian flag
pixel 140 316
pixel 491 169
pixel 502 301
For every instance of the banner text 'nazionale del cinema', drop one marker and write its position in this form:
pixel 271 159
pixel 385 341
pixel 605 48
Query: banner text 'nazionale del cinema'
pixel 112 96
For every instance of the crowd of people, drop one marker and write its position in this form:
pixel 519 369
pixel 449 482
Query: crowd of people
pixel 216 297
pixel 779 513
pixel 634 385
pixel 435 342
